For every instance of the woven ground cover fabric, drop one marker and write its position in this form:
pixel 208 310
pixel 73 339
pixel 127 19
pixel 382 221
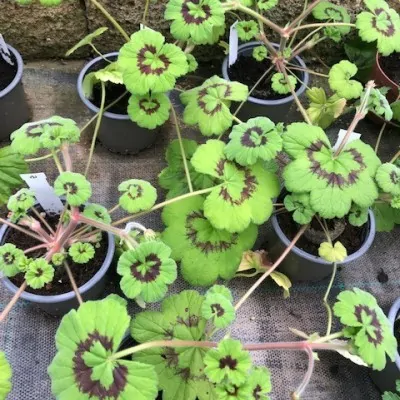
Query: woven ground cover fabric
pixel 28 335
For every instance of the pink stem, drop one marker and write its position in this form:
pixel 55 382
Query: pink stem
pixel 38 247
pixel 18 228
pixel 67 157
pixel 12 302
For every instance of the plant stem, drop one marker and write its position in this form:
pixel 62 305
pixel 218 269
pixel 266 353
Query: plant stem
pixel 262 37
pixel 272 269
pixel 298 28
pixel 304 40
pixel 182 148
pixel 236 119
pixel 306 11
pixel 23 230
pixel 396 156
pixel 297 78
pixel 57 162
pixel 378 142
pixel 97 128
pixel 163 204
pixel 12 302
pixel 307 70
pixel 145 12
pixel 326 303
pixel 113 209
pixel 296 99
pixel 73 283
pixel 298 23
pixel 43 220
pixel 94 48
pixel 307 377
pixel 111 19
pixel 29 160
pixel 66 156
pixel 38 247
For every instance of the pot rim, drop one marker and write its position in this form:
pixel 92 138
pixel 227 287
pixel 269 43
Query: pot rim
pixel 35 298
pixel 380 69
pixel 301 253
pixel 392 316
pixel 18 75
pixel 299 92
pixel 85 100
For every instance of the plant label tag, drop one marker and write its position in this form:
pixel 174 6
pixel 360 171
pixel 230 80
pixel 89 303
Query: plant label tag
pixel 342 133
pixel 4 52
pixel 233 44
pixel 142 27
pixel 44 193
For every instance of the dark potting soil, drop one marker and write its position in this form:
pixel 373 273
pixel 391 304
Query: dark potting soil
pixel 248 71
pixel 352 237
pixel 113 91
pixel 391 66
pixel 397 333
pixel 7 71
pixel 61 283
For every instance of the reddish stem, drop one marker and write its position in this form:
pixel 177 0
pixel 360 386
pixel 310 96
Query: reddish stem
pixel 38 247
pixel 12 302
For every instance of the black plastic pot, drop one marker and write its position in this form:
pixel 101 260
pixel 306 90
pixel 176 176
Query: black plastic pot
pixel 276 110
pixel 14 109
pixel 61 304
pixel 302 266
pixel 386 379
pixel 117 132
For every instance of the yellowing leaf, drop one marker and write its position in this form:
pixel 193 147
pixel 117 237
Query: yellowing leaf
pixel 332 253
pixel 283 281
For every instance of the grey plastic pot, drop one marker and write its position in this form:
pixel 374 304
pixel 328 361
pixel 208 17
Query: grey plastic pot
pixel 14 109
pixel 61 304
pixel 276 110
pixel 117 132
pixel 386 379
pixel 302 266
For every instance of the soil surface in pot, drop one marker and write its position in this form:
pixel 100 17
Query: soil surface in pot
pixel 352 237
pixel 390 65
pixel 397 333
pixel 61 283
pixel 248 70
pixel 7 71
pixel 113 91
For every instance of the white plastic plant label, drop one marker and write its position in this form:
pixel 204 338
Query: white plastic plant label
pixel 4 52
pixel 142 27
pixel 45 195
pixel 233 44
pixel 342 133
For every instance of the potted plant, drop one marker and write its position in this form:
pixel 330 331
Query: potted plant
pixel 14 109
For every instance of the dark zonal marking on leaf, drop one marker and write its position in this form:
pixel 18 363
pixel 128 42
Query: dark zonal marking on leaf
pixel 332 178
pixel 257 392
pixel 30 133
pixel 203 92
pixel 99 214
pixel 147 69
pixel 217 309
pixel 139 191
pixel 191 322
pixel 390 30
pixel 394 177
pixel 39 273
pixel 247 138
pixel 152 106
pixel 83 373
pixel 153 270
pixel 229 362
pixel 190 19
pixel 8 258
pixel 70 187
pixel 374 322
pixel 206 247
pixel 171 357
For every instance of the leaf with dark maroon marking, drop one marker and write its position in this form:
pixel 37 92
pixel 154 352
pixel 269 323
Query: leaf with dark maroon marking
pixel 137 195
pixel 217 308
pixel 206 253
pixel 260 383
pixel 244 194
pixel 327 11
pixel 200 21
pixel 382 24
pixel 388 178
pixel 83 367
pixel 334 183
pixel 10 259
pixel 208 105
pixel 75 187
pixel 366 326
pixel 147 271
pixel 340 80
pixel 149 64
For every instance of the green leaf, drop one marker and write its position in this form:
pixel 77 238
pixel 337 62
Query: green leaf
pixel 260 53
pixel 10 258
pixel 390 396
pixel 58 259
pixel 340 80
pixel 228 361
pixel 209 104
pixel 75 187
pixel 358 215
pixel 83 368
pixel 149 110
pixel 97 212
pixel 380 24
pixel 87 40
pixel 149 64
pixel 173 177
pixel 388 178
pixel 299 204
pixel 247 30
pixel 194 242
pixel 363 55
pixel 265 5
pixel 21 201
pixel 81 253
pixel 367 327
pixel 180 370
pixel 281 85
pixel 396 110
pixel 218 308
pixel 111 73
pixel 332 253
pixel 147 271
pixel 378 103
pixel 385 217
pixel 222 290
pixel 327 11
pixel 260 383
pixel 39 273
pixel 244 194
pixel 192 62
pixel 201 22
pixel 50 3
pixel 333 182
pixel 283 281
pixel 5 377
pixel 257 139
pixel 88 83
pixel 138 195
pixel 228 391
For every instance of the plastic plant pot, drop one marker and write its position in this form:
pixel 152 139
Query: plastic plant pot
pixel 117 132
pixel 301 266
pixel 276 110
pixel 58 305
pixel 14 109
pixel 386 380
